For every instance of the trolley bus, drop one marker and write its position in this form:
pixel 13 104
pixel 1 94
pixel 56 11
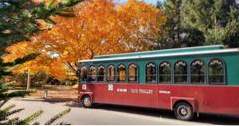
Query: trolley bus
pixel 187 81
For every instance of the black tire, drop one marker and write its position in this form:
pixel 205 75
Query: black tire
pixel 183 111
pixel 87 102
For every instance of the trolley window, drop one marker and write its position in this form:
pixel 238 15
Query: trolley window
pixel 216 72
pixel 101 73
pixel 83 73
pixel 121 72
pixel 197 72
pixel 111 73
pixel 151 73
pixel 133 73
pixel 165 72
pixel 92 74
pixel 180 72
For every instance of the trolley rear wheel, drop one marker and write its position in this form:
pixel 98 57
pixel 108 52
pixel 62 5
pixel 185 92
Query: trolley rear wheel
pixel 183 111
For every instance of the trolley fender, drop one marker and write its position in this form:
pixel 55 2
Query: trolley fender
pixel 190 100
pixel 82 94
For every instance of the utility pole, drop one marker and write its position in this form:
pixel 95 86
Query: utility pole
pixel 28 80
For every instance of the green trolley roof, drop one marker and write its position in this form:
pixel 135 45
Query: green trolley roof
pixel 214 49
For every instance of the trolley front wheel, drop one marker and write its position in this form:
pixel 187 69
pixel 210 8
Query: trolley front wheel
pixel 87 102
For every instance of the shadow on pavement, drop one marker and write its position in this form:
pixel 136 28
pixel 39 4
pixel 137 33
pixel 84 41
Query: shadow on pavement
pixel 203 118
pixel 49 99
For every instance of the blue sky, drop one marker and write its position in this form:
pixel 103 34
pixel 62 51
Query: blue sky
pixel 147 1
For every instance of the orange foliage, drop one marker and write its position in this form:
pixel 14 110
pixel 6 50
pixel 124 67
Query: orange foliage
pixel 98 27
pixel 18 50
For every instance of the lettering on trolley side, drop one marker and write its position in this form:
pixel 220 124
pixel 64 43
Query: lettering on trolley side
pixel 141 91
pixel 123 90
pixel 145 91
pixel 134 91
pixel 110 87
pixel 164 92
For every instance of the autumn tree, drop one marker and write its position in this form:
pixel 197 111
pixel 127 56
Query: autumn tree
pixel 98 27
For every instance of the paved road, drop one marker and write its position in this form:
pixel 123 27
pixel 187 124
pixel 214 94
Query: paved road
pixel 107 114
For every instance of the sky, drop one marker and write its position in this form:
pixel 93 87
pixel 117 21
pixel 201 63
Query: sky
pixel 147 1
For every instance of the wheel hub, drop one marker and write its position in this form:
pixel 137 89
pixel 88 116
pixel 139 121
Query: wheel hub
pixel 183 111
pixel 87 102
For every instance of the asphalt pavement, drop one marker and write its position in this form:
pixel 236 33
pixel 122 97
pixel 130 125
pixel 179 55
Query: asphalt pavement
pixel 109 114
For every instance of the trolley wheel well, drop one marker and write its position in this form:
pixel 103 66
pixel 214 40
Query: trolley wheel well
pixel 86 95
pixel 181 101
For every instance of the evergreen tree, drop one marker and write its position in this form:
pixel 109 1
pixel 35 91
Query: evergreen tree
pixel 19 17
pixel 217 19
pixel 175 33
